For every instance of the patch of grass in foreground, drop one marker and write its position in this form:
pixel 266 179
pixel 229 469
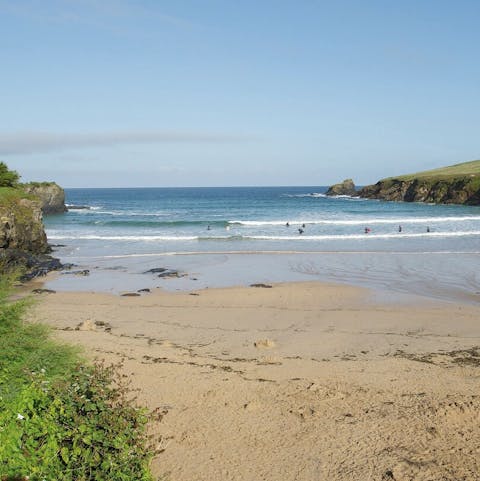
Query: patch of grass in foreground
pixel 26 347
pixel 59 417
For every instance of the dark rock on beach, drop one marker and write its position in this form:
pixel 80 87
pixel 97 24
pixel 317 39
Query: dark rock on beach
pixel 44 291
pixel 130 294
pixel 84 272
pixel 33 265
pixel 164 272
pixel 156 270
pixel 264 286
pixel 68 266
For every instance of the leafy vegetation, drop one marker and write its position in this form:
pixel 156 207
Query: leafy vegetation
pixel 59 417
pixel 8 178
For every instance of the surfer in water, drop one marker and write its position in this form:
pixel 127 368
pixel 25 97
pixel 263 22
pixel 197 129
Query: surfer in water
pixel 367 230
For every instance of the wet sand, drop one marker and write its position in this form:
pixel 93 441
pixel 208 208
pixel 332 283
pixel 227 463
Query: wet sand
pixel 301 381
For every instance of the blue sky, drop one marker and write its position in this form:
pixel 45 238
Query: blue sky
pixel 204 93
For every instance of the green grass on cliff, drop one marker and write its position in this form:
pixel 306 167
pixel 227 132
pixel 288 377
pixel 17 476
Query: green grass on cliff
pixel 10 194
pixel 7 193
pixel 465 169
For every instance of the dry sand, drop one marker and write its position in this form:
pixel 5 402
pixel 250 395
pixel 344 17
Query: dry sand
pixel 302 381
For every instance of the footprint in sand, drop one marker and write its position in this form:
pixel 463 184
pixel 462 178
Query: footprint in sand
pixel 252 406
pixel 87 325
pixel 264 344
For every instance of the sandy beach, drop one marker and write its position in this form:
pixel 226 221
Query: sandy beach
pixel 300 381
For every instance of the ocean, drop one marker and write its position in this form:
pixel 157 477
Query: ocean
pixel 217 237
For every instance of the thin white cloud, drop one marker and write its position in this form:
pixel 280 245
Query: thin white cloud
pixel 126 9
pixel 21 143
pixel 104 14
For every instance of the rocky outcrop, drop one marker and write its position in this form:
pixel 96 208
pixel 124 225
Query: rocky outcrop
pixel 23 242
pixel 50 195
pixel 347 187
pixel 456 190
pixel 28 264
pixel 21 225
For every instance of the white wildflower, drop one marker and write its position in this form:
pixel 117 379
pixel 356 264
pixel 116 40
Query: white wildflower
pixel 19 416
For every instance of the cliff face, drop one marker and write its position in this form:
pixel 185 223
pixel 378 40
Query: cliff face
pixel 51 196
pixel 21 226
pixel 23 242
pixel 456 190
pixel 347 187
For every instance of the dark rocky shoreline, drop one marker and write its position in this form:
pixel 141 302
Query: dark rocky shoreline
pixel 23 243
pixel 30 265
pixel 457 184
pixel 463 190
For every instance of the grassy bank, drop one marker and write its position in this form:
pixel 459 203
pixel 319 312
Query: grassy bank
pixel 464 169
pixel 8 194
pixel 61 418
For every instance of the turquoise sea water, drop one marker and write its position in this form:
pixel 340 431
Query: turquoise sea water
pixel 231 236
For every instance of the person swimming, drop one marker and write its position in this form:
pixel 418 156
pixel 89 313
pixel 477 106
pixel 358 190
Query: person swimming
pixel 287 224
pixel 367 230
pixel 300 231
pixel 399 228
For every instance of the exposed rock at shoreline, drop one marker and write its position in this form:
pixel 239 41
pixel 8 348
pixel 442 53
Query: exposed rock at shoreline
pixel 464 190
pixel 32 264
pixel 23 242
pixel 50 195
pixel 457 184
pixel 347 187
pixel 84 272
pixel 163 272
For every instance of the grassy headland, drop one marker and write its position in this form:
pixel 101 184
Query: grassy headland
pixel 455 184
pixel 464 169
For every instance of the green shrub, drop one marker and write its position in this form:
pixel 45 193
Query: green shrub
pixel 82 428
pixel 61 419
pixel 8 178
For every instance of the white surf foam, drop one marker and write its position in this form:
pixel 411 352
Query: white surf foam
pixel 267 237
pixel 122 237
pixel 366 221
